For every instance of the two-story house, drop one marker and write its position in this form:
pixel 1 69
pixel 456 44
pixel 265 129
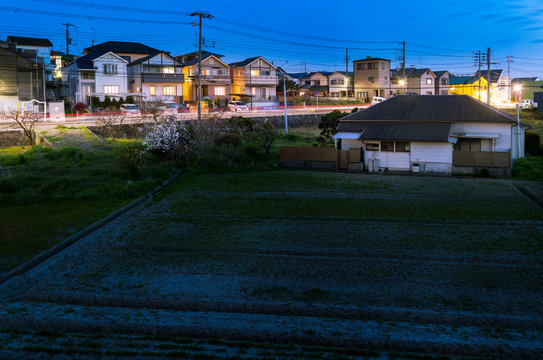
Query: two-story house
pixel 215 77
pixel 316 82
pixel 158 76
pixel 442 82
pixel 21 78
pixel 500 86
pixel 420 81
pixel 255 78
pixel 97 75
pixel 371 78
pixel 340 84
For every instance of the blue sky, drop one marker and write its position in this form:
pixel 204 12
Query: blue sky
pixel 309 35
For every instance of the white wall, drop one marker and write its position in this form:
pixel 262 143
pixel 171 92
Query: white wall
pixel 502 143
pixel 120 79
pixel 432 156
pixel 158 94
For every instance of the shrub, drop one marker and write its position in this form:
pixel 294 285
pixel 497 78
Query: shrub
pixel 229 139
pixel 241 125
pixel 130 158
pixel 530 168
pixel 265 133
pixel 328 125
pixel 169 138
pixel 533 142
pixel 354 110
pixel 80 107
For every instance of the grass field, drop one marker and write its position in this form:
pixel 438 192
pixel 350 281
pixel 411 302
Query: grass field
pixel 284 263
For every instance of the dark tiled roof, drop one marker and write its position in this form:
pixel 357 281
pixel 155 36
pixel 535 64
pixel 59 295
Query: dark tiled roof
pixel 297 75
pixel 370 58
pixel 458 80
pixel 494 74
pixel 417 72
pixel 402 131
pixel 85 61
pixel 204 52
pixel 244 62
pixel 122 47
pixel 152 56
pixel 29 41
pixel 521 80
pixel 350 73
pixel 431 109
pixel 440 73
pixel 195 61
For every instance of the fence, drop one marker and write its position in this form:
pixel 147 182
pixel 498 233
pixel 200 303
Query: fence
pixel 481 158
pixel 321 158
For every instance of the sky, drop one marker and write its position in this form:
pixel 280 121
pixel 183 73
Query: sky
pixel 302 35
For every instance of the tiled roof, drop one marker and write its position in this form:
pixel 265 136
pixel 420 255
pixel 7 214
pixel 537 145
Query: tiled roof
pixel 29 41
pixel 85 61
pixel 458 80
pixel 494 74
pixel 122 47
pixel 244 62
pixel 152 56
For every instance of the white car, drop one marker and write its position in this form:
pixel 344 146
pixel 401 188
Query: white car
pixel 130 109
pixel 237 106
pixel 527 104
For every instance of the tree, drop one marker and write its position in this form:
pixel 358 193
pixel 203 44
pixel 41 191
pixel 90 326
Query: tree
pixel 291 85
pixel 266 134
pixel 111 120
pixel 241 125
pixel 328 125
pixel 25 122
pixel 152 108
pixel 169 137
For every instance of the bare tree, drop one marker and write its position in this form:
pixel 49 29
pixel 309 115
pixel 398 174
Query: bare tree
pixel 207 130
pixel 111 120
pixel 24 121
pixel 152 109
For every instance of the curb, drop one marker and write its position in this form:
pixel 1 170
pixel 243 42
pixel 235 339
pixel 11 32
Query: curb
pixel 40 258
pixel 529 194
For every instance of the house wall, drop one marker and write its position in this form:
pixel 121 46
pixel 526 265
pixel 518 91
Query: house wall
pixel 442 89
pixel 381 84
pixel 120 79
pixel 159 95
pixel 419 86
pixel 502 143
pixel 338 89
pixel 212 70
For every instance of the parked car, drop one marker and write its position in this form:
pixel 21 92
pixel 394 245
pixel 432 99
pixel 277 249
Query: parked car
pixel 130 109
pixel 237 106
pixel 377 99
pixel 527 104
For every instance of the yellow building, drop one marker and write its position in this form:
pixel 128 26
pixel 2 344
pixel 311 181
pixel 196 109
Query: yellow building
pixel 474 86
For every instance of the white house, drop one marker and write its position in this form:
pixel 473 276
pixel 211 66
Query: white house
pixel 341 84
pixel 439 133
pixel 98 75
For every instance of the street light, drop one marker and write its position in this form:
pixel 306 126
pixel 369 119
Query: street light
pixel 517 88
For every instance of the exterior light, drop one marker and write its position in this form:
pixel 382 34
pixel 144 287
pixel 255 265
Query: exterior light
pixel 517 88
pixel 402 83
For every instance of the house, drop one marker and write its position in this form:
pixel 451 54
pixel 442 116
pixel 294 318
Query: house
pixel 417 81
pixel 474 86
pixel 255 78
pixel 97 75
pixel 500 86
pixel 442 82
pixel 36 48
pixel 158 76
pixel 130 51
pixel 316 83
pixel 372 78
pixel 340 84
pixel 441 134
pixel 21 78
pixel 215 81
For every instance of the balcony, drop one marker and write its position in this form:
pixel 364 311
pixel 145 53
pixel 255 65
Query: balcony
pixel 481 158
pixel 213 79
pixel 257 80
pixel 155 77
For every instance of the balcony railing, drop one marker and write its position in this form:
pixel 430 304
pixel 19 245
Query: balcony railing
pixel 152 77
pixel 481 158
pixel 257 79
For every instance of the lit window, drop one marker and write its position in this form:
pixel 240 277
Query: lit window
pixel 168 70
pixel 111 89
pixel 169 90
pixel 428 81
pixel 219 91
pixel 255 72
pixel 372 147
pixel 152 90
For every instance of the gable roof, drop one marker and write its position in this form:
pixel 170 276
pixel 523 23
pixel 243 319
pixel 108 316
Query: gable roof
pixel 458 80
pixel 431 109
pixel 369 58
pixel 148 57
pixel 85 62
pixel 350 73
pixel 207 56
pixel 313 73
pixel 440 73
pixel 29 41
pixel 494 74
pixel 121 47
pixel 524 79
pixel 204 53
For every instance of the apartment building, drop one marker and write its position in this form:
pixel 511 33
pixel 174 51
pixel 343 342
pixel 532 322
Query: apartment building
pixel 371 78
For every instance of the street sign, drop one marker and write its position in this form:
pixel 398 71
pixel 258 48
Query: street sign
pixel 316 93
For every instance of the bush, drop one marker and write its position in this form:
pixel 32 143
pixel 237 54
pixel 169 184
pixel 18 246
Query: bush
pixel 354 110
pixel 229 139
pixel 169 138
pixel 328 125
pixel 533 142
pixel 530 168
pixel 80 107
pixel 484 172
pixel 241 125
pixel 130 158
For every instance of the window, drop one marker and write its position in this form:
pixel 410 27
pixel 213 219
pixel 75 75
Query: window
pixel 110 68
pixel 402 146
pixel 429 93
pixel 219 91
pixel 429 81
pixel 168 70
pixel 360 66
pixel 371 79
pixel 265 72
pixel 255 73
pixel 111 89
pixel 387 145
pixel 337 82
pixel 386 79
pixel 307 82
pixel 383 65
pixel 85 76
pixel 371 66
pixel 219 72
pixel 444 81
pixel 169 90
pixel 152 90
pixel 317 82
pixel 372 147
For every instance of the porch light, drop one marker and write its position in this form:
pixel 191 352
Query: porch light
pixel 517 88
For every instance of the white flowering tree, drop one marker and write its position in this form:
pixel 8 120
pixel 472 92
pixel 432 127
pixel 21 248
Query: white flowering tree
pixel 169 137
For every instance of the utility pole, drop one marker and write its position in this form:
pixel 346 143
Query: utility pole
pixel 403 66
pixel 478 61
pixel 488 76
pixel 68 40
pixel 201 15
pixel 346 62
pixel 509 61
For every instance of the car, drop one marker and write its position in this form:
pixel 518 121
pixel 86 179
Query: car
pixel 237 106
pixel 527 104
pixel 377 99
pixel 130 109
